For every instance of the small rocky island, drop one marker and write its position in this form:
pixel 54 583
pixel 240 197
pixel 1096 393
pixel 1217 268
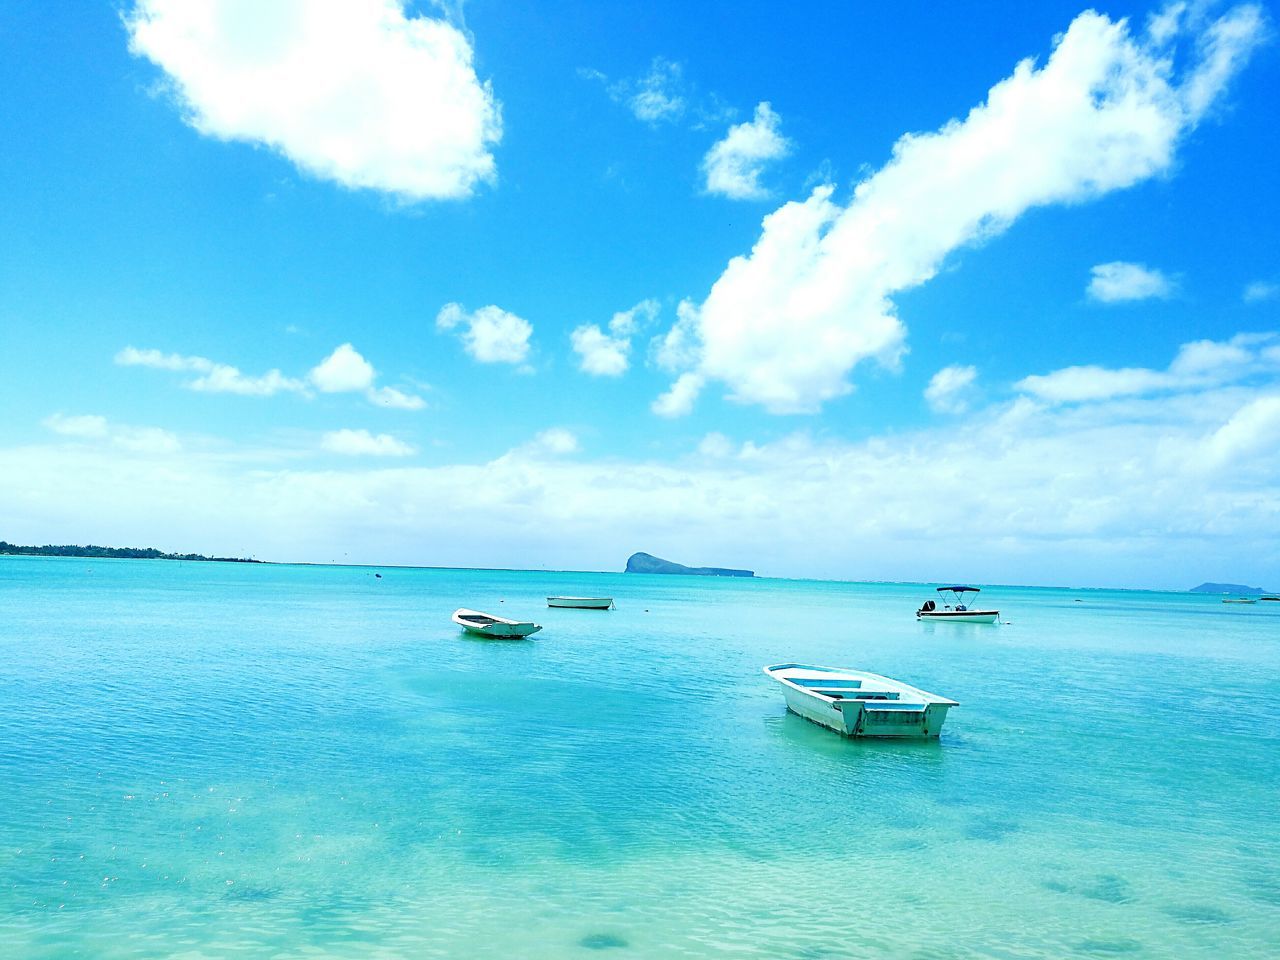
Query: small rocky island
pixel 648 563
pixel 1226 588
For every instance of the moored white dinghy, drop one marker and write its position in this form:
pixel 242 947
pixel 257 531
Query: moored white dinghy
pixel 487 625
pixel 581 603
pixel 954 607
pixel 859 704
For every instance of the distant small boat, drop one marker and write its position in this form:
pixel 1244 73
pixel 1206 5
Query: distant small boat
pixel 1242 599
pixel 581 603
pixel 955 608
pixel 1276 599
pixel 859 704
pixel 487 625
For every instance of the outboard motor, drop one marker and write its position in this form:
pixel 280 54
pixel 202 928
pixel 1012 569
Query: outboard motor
pixel 929 607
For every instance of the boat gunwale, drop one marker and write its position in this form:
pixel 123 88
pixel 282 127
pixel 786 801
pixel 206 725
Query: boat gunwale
pixel 927 698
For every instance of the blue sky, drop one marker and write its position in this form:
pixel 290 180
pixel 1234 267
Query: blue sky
pixel 844 290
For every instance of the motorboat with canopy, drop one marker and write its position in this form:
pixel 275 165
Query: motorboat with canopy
pixel 956 606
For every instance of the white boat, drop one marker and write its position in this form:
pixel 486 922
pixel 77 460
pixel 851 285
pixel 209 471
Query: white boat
pixel 955 608
pixel 581 603
pixel 487 625
pixel 860 704
pixel 1239 599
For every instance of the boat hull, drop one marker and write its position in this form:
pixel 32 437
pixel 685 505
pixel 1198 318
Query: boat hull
pixel 960 616
pixel 581 603
pixel 496 628
pixel 919 716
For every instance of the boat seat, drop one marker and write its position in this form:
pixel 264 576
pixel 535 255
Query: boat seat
pixel 847 693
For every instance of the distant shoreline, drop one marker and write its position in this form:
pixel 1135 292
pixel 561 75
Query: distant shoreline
pixel 7 550
pixel 93 551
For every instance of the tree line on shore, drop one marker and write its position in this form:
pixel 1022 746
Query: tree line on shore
pixel 116 553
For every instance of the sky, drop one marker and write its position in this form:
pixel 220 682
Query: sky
pixel 844 290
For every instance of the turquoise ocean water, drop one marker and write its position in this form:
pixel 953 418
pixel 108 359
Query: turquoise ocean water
pixel 212 760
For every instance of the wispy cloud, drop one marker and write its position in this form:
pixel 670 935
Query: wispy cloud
pixel 343 371
pixel 785 325
pixel 1260 291
pixel 1120 282
pixel 214 377
pixel 490 334
pixel 949 388
pixel 734 165
pixel 1200 364
pixel 145 440
pixel 357 93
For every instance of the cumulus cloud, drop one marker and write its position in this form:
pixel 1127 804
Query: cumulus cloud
pixel 146 440
pixel 1119 282
pixel 362 443
pixel 733 166
pixel 604 354
pixel 490 334
pixel 395 399
pixel 785 325
pixel 357 92
pixel 1199 364
pixel 948 389
pixel 343 371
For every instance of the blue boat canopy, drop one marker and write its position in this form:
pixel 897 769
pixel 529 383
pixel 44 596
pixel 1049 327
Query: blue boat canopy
pixel 959 590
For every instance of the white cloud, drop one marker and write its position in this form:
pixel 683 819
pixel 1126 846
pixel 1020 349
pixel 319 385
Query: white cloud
pixel 395 399
pixel 605 354
pixel 716 446
pixel 948 388
pixel 679 400
pixel 491 334
pixel 86 426
pixel 214 377
pixel 1253 430
pixel 733 165
pixel 785 325
pixel 354 92
pixel 147 440
pixel 343 371
pixel 362 443
pixel 1261 290
pixel 1119 282
pixel 1130 492
pixel 1199 364
pixel 658 96
pixel 556 440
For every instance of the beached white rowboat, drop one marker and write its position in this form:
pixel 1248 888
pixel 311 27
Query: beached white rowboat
pixel 487 625
pixel 859 704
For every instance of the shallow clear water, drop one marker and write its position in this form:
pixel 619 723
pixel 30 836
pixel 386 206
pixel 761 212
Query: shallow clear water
pixel 200 760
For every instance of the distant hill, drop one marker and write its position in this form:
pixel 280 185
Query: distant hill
pixel 648 563
pixel 115 553
pixel 1226 588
